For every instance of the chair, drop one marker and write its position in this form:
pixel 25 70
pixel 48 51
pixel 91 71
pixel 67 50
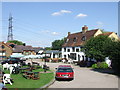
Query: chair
pixel 36 76
pixel 11 69
pixel 7 79
pixel 25 75
pixel 6 66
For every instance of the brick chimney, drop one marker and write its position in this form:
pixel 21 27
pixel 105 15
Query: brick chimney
pixel 84 29
pixel 68 33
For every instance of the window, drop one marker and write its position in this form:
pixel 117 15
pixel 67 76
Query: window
pixel 2 46
pixel 2 51
pixel 73 49
pixel 67 40
pixel 68 50
pixel 77 50
pixel 64 49
pixel 83 38
pixel 64 56
pixel 74 39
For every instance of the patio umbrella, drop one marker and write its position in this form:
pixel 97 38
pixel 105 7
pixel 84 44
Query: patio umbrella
pixel 17 55
pixel 31 57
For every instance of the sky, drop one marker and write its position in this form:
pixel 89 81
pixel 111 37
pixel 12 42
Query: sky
pixel 40 23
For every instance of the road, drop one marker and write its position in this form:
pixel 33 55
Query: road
pixel 85 78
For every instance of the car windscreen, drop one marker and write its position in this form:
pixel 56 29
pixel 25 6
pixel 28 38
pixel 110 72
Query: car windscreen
pixel 64 70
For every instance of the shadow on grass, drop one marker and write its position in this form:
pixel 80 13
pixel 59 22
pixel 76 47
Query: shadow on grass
pixel 107 71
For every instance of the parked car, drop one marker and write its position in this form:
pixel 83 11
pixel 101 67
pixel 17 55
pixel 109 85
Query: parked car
pixel 64 72
pixel 12 61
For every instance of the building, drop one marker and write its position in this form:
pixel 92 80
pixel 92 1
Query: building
pixel 5 50
pixel 74 43
pixel 53 53
pixel 38 50
pixel 25 50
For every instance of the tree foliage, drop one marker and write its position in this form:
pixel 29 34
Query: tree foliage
pixel 16 42
pixel 57 44
pixel 113 51
pixel 48 48
pixel 96 46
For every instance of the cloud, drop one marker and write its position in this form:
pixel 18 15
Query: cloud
pixel 81 15
pixel 49 32
pixel 65 11
pixel 54 33
pixel 61 12
pixel 56 14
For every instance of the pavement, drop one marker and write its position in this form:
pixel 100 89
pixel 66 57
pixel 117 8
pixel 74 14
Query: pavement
pixel 84 78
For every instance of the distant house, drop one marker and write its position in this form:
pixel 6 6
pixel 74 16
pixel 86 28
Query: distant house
pixel 75 42
pixel 5 50
pixel 25 50
pixel 38 50
pixel 53 53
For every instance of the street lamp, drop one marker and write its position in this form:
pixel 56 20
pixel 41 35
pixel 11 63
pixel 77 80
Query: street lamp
pixel 44 66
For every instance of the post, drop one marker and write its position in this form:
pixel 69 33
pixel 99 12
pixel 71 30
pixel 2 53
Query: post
pixel 45 63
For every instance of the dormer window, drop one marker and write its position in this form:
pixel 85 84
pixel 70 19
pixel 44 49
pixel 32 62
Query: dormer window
pixel 83 38
pixel 67 40
pixel 2 46
pixel 74 39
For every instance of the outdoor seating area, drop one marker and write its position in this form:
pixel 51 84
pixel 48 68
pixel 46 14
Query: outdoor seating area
pixel 30 70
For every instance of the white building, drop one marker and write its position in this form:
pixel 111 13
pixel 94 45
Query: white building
pixel 74 43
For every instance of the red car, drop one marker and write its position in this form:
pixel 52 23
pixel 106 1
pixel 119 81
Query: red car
pixel 64 72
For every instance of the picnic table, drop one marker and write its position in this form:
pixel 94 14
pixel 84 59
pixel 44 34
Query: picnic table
pixel 31 75
pixel 24 69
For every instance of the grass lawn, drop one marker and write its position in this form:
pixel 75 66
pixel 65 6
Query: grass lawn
pixel 21 82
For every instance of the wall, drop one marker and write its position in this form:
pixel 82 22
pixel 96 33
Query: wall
pixel 79 54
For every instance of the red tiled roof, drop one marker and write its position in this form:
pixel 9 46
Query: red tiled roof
pixel 2 43
pixel 78 36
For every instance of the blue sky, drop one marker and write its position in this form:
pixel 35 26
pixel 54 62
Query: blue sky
pixel 40 23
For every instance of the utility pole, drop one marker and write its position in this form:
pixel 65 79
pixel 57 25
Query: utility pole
pixel 10 28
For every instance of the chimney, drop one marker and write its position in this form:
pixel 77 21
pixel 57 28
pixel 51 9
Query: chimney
pixel 84 29
pixel 68 33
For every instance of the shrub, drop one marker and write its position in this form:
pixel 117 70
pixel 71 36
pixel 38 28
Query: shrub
pixel 94 66
pixel 101 65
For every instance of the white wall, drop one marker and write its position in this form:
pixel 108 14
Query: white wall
pixel 71 51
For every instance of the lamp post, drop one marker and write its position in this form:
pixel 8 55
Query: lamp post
pixel 44 62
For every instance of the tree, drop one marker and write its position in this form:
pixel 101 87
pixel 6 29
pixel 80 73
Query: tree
pixel 16 42
pixel 57 44
pixel 95 47
pixel 113 51
pixel 48 48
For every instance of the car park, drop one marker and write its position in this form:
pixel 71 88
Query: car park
pixel 64 72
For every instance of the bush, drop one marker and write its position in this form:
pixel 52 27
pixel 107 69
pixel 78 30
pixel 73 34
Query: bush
pixel 101 65
pixel 94 66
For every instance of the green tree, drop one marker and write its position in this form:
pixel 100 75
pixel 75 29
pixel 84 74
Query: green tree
pixel 57 44
pixel 95 47
pixel 48 48
pixel 113 51
pixel 16 42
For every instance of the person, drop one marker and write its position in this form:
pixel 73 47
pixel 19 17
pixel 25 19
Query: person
pixel 2 87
